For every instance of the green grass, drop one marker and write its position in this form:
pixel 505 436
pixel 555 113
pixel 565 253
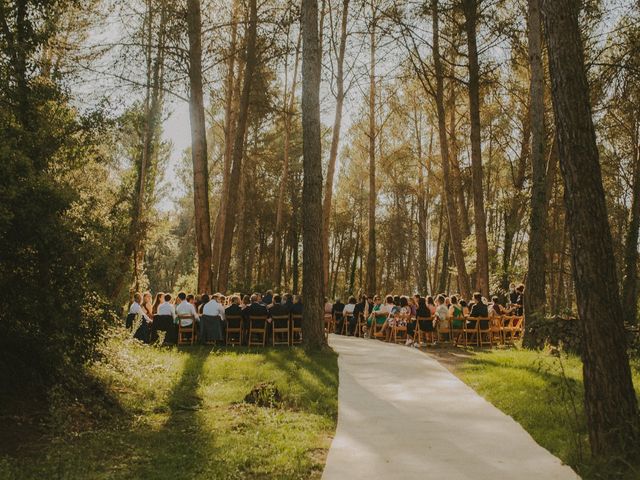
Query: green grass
pixel 544 394
pixel 180 414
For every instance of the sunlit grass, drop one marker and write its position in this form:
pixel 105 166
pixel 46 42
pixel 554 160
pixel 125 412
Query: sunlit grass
pixel 183 416
pixel 543 393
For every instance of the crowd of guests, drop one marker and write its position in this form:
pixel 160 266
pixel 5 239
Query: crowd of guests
pixel 423 311
pixel 209 312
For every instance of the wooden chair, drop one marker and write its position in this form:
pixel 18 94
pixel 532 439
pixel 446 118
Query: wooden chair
pixel 345 323
pixel 518 325
pixel 470 330
pixel 485 335
pixel 457 329
pixel 280 325
pixel 296 329
pixel 496 330
pixel 444 328
pixel 398 331
pixel 189 330
pixel 233 335
pixel 258 327
pixel 328 324
pixel 376 328
pixel 417 331
pixel 360 325
pixel 512 328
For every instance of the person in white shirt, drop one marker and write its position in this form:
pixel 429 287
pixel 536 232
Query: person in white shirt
pixel 186 308
pixel 164 321
pixel 211 323
pixel 134 310
pixel 166 308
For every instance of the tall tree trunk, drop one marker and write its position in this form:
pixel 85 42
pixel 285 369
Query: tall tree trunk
pixel 238 150
pixel 630 281
pixel 454 227
pixel 535 300
pixel 610 401
pixel 289 101
pixel 199 148
pixel 482 245
pixel 229 122
pixel 422 198
pixel 312 274
pixel 456 174
pixel 335 138
pixel 371 256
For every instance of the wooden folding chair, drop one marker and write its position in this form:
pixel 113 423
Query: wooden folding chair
pixel 189 330
pixel 399 332
pixel 345 323
pixel 376 328
pixel 233 335
pixel 360 324
pixel 444 328
pixel 328 324
pixel 470 330
pixel 457 329
pixel 512 328
pixel 417 331
pixel 496 329
pixel 258 327
pixel 485 335
pixel 296 329
pixel 280 325
pixel 518 327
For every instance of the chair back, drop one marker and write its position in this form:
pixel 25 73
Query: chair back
pixel 233 321
pixel 280 321
pixel 258 321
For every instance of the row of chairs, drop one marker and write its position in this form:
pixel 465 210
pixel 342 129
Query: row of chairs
pixel 458 331
pixel 285 330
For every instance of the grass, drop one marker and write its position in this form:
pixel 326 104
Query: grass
pixel 543 393
pixel 180 414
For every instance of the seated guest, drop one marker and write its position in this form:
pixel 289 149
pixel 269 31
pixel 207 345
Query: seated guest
pixel 268 297
pixel 255 308
pixel 456 313
pixel 338 307
pixel 296 308
pixel 478 310
pixel 288 302
pixel 156 303
pixel 465 308
pixel 186 308
pixel 512 298
pixel 211 323
pixel 146 304
pixel 277 309
pixel 519 303
pixel 234 308
pixel 359 309
pixel 348 311
pixel 134 310
pixel 246 301
pixel 431 305
pixel 328 306
pixel 204 299
pixel 163 322
pixel 442 311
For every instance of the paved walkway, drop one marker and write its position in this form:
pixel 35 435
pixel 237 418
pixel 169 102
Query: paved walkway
pixel 402 415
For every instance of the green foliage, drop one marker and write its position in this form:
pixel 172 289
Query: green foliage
pixel 544 393
pixel 181 414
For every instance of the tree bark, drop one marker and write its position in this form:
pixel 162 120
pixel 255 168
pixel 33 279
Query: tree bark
pixel 238 150
pixel 535 300
pixel 288 106
pixel 610 402
pixel 335 138
pixel 454 227
pixel 371 256
pixel 312 269
pixel 630 281
pixel 480 219
pixel 229 123
pixel 199 148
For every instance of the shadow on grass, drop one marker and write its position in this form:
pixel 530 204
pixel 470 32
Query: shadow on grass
pixel 178 448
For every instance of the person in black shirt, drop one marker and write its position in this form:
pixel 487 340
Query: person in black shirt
pixel 296 308
pixel 478 310
pixel 234 308
pixel 288 302
pixel 513 295
pixel 519 303
pixel 338 308
pixel 278 309
pixel 268 297
pixel 359 309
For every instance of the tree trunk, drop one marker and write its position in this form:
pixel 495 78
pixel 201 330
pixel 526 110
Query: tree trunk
pixel 610 402
pixel 422 198
pixel 371 256
pixel 482 245
pixel 456 174
pixel 238 150
pixel 312 269
pixel 335 138
pixel 289 102
pixel 454 227
pixel 535 300
pixel 199 148
pixel 229 122
pixel 630 281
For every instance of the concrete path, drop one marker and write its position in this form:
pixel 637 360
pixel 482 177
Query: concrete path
pixel 402 415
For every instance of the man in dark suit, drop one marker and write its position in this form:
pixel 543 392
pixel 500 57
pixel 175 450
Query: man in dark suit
pixel 479 309
pixel 338 308
pixel 234 308
pixel 268 297
pixel 296 308
pixel 359 309
pixel 278 309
